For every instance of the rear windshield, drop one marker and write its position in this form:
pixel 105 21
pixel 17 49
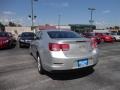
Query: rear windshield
pixel 3 34
pixel 63 34
pixel 27 34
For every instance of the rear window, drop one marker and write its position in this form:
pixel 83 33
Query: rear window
pixel 63 34
pixel 27 34
pixel 3 34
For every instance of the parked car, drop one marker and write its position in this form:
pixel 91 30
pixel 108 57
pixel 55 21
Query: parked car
pixel 116 36
pixel 25 38
pixel 105 37
pixel 57 50
pixel 7 40
pixel 92 36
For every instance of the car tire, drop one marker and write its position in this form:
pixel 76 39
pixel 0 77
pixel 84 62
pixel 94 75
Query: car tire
pixel 20 46
pixel 114 39
pixel 30 51
pixel 10 45
pixel 98 42
pixel 40 68
pixel 14 44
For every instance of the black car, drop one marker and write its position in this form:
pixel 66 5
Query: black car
pixel 25 38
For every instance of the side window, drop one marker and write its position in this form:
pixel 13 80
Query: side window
pixel 113 33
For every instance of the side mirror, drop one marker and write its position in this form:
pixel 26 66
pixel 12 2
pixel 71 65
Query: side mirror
pixel 19 35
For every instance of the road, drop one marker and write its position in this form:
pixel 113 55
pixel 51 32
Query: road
pixel 18 71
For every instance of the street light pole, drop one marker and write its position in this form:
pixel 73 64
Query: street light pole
pixel 32 14
pixel 91 17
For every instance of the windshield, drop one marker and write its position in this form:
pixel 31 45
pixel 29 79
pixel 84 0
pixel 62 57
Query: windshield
pixel 27 34
pixel 3 34
pixel 63 34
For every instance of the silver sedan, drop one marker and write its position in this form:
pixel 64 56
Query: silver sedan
pixel 57 50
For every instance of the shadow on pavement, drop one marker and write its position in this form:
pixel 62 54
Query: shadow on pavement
pixel 70 75
pixel 8 48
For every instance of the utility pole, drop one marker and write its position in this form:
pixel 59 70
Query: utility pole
pixel 91 17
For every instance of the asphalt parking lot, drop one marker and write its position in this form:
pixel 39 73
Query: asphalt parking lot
pixel 18 71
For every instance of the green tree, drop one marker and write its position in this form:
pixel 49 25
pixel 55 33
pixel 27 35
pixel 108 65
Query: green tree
pixel 2 27
pixel 116 27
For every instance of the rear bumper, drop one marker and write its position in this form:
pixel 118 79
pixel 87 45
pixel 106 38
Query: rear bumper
pixel 73 70
pixel 70 66
pixel 58 64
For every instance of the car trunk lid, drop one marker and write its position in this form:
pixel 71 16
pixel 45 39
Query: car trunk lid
pixel 77 47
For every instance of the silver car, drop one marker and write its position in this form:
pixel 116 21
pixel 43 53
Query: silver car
pixel 57 50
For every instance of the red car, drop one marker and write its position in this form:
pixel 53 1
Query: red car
pixel 104 37
pixel 92 36
pixel 6 40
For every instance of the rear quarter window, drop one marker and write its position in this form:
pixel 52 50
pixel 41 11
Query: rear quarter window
pixel 63 34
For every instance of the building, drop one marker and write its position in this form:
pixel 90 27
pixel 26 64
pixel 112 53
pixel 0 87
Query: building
pixel 82 27
pixel 74 27
pixel 102 31
pixel 17 30
pixel 47 26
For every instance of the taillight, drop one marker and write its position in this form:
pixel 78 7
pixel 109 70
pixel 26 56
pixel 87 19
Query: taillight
pixel 54 47
pixel 64 47
pixel 58 47
pixel 93 43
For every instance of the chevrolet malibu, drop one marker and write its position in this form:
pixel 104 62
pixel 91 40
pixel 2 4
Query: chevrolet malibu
pixel 58 50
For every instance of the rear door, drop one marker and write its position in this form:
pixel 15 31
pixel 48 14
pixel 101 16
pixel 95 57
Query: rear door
pixel 35 43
